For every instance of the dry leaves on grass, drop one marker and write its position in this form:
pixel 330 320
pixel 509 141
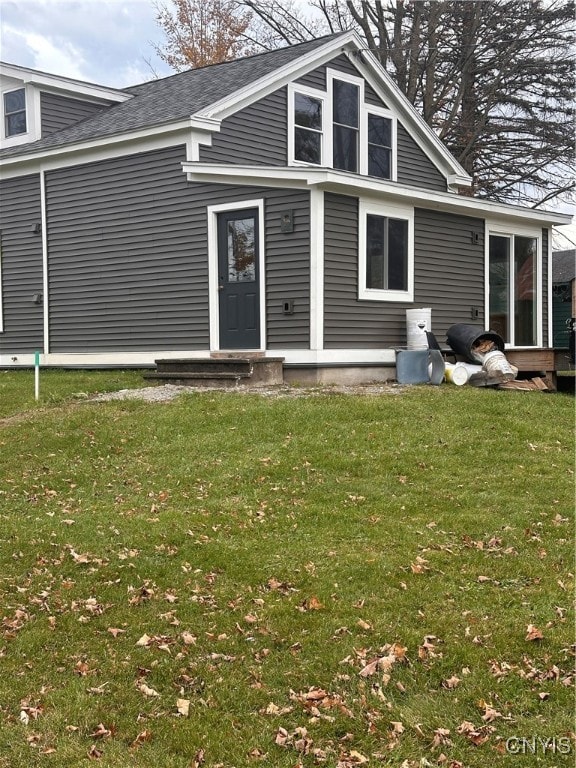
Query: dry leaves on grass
pixel 533 633
pixel 314 700
pixel 477 735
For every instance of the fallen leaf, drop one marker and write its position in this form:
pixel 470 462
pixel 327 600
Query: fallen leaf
pixel 441 737
pixel 183 707
pixel 101 732
pixel 533 633
pixel 363 624
pixel 143 736
pixel 146 690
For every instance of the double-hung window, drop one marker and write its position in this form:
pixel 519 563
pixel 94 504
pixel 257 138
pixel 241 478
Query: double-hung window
pixel 14 112
pixel 379 145
pixel 308 127
pixel 514 299
pixel 386 252
pixel 345 125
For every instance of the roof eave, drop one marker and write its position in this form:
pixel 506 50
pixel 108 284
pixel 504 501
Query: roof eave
pixel 125 137
pixel 276 79
pixel 66 84
pixel 330 180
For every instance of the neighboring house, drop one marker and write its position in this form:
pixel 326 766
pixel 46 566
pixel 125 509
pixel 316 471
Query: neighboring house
pixel 292 203
pixel 563 295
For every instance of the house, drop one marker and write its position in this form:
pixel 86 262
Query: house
pixel 291 204
pixel 564 299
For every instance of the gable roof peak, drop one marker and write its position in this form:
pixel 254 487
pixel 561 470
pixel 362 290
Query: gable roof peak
pixel 295 48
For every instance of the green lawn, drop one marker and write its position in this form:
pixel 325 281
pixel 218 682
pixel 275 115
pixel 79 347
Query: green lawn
pixel 236 580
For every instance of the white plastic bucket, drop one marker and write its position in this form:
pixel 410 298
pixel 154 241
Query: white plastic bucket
pixel 496 366
pixel 456 373
pixel 418 321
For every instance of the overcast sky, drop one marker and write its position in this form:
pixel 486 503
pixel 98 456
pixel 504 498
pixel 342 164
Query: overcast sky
pixel 109 42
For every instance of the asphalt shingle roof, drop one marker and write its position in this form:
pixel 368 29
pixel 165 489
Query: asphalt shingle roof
pixel 563 266
pixel 172 98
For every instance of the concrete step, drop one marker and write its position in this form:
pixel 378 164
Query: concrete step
pixel 220 371
pixel 209 365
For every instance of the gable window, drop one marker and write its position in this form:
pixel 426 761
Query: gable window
pixel 346 125
pixel 514 296
pixel 15 112
pixel 335 128
pixel 386 253
pixel 307 128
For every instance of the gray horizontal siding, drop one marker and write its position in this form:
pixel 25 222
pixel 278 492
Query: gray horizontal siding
pixel 286 257
pixel 449 267
pixel 343 64
pixel 449 278
pixel 124 272
pixel 288 270
pixel 414 166
pixel 128 257
pixel 314 79
pixel 21 265
pixel 58 112
pixel 317 79
pixel 256 135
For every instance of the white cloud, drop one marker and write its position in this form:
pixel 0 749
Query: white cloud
pixel 66 60
pixel 104 41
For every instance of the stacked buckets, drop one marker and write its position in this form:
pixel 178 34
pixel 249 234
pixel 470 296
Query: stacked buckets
pixel 417 364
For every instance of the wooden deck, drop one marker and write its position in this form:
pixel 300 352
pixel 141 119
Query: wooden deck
pixel 535 361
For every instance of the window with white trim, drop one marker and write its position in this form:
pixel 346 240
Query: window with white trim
pixel 336 129
pixel 379 146
pixel 514 287
pixel 386 253
pixel 308 128
pixel 345 125
pixel 14 104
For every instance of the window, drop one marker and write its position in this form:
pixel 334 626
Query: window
pixel 379 146
pixel 15 112
pixel 513 301
pixel 307 129
pixel 346 125
pixel 335 128
pixel 386 253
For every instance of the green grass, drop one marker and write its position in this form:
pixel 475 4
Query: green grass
pixel 17 389
pixel 271 549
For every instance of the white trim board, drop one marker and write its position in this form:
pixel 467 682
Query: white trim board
pixel 147 359
pixel 212 212
pixel 378 189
